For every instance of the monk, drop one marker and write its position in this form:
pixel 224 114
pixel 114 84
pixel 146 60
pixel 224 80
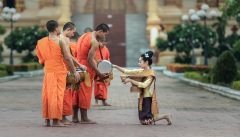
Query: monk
pixel 73 43
pixel 87 46
pixel 75 96
pixel 68 31
pixel 87 29
pixel 100 88
pixel 51 52
pixel 73 46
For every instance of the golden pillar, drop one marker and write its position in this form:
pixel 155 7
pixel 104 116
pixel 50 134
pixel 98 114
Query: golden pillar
pixel 153 22
pixel 65 16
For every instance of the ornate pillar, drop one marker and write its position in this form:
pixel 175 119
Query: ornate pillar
pixel 153 21
pixel 65 16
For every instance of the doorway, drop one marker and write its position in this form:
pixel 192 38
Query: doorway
pixel 112 12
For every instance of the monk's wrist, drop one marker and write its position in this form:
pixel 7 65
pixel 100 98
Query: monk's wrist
pixel 98 72
pixel 74 72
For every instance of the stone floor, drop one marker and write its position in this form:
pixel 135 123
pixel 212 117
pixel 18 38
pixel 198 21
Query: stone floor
pixel 196 113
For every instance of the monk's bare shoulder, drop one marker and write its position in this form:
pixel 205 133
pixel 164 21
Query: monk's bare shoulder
pixel 66 39
pixel 94 42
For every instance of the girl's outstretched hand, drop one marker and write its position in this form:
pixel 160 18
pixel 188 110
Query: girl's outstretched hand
pixel 114 66
pixel 127 80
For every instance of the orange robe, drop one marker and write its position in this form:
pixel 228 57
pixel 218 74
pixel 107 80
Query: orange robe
pixel 54 82
pixel 69 93
pixel 67 102
pixel 73 47
pixel 85 93
pixel 101 89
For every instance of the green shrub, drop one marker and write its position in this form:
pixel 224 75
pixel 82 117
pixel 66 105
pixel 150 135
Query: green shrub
pixel 206 78
pixel 3 73
pixel 236 85
pixel 3 67
pixel 202 77
pixel 182 59
pixel 2 29
pixel 36 65
pixel 10 69
pixel 238 75
pixel 31 66
pixel 25 40
pixel 24 67
pixel 236 50
pixel 193 75
pixel 39 66
pixel 238 65
pixel 225 69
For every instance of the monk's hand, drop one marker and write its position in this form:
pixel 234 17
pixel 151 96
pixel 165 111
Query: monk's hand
pixel 82 67
pixel 77 76
pixel 103 75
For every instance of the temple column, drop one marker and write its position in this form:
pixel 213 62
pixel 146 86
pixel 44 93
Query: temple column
pixel 65 16
pixel 153 22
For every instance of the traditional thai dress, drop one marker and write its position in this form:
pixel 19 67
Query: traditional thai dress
pixel 147 103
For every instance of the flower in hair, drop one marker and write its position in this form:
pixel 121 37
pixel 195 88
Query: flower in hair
pixel 146 55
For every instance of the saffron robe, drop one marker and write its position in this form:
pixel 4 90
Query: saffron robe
pixel 69 94
pixel 100 88
pixel 73 47
pixel 54 83
pixel 83 47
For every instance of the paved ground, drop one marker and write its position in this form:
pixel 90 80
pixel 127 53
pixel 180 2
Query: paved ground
pixel 196 113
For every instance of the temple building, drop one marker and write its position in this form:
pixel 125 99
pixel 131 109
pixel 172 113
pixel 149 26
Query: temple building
pixel 134 24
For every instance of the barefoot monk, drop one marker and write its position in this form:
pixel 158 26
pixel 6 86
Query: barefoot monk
pixel 87 46
pixel 101 88
pixel 52 56
pixel 68 31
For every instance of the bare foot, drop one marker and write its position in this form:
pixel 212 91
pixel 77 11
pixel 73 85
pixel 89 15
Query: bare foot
pixel 96 102
pixel 75 120
pixel 47 123
pixel 88 121
pixel 65 121
pixel 58 124
pixel 75 115
pixel 168 118
pixel 105 103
